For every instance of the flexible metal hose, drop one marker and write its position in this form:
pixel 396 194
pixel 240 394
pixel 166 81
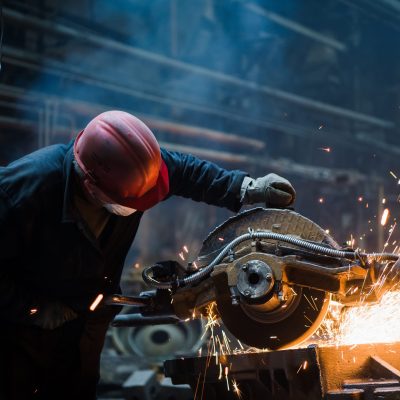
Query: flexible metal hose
pixel 314 247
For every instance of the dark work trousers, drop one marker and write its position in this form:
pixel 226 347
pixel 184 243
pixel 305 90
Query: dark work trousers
pixel 57 364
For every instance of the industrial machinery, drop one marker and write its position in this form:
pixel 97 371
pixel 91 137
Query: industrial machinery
pixel 272 274
pixel 363 372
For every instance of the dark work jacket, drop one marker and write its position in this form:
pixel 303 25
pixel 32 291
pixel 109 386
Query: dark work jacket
pixel 47 253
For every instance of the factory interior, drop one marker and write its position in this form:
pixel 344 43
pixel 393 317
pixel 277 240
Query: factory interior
pixel 225 293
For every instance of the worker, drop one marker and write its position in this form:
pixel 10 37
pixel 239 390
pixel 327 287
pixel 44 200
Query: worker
pixel 68 215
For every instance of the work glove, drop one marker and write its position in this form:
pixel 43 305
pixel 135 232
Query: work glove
pixel 52 315
pixel 272 190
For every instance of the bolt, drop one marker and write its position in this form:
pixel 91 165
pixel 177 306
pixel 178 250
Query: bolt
pixel 268 276
pixel 235 301
pixel 247 293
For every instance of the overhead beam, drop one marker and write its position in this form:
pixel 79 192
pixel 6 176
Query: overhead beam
pixel 58 69
pixel 296 27
pixel 154 123
pixel 316 173
pixel 105 42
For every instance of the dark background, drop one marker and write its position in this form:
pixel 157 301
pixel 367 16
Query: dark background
pixel 307 89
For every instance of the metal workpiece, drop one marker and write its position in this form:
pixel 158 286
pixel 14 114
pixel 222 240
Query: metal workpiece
pixel 364 372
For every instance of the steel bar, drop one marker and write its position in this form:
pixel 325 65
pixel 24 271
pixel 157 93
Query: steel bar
pixel 189 130
pixel 207 153
pixel 141 320
pixel 317 173
pixel 296 27
pixel 104 42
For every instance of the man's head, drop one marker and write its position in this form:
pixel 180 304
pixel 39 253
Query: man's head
pixel 120 162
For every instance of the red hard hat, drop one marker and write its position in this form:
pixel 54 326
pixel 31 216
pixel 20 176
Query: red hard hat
pixel 121 159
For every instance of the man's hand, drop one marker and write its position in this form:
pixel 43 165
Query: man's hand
pixel 272 190
pixel 53 315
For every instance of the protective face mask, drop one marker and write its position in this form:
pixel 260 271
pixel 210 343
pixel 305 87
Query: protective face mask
pixel 119 210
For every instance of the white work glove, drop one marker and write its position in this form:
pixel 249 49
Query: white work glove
pixel 52 315
pixel 272 190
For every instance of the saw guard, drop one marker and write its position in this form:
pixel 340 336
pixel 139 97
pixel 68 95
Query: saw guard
pixel 297 320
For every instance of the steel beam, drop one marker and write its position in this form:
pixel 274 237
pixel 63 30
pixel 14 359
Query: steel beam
pixel 104 42
pixel 296 27
pixel 12 55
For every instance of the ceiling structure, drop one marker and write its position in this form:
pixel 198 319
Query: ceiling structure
pixel 310 91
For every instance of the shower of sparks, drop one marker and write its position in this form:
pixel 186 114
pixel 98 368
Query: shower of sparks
pixel 218 348
pixel 182 256
pixel 185 249
pixel 33 311
pixel 369 323
pixel 393 174
pixel 321 200
pixel 326 149
pixel 385 216
pixel 365 323
pixel 360 199
pixel 96 302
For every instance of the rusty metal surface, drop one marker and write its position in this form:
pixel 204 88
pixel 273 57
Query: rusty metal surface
pixel 364 372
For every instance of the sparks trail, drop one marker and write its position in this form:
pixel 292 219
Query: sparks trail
pixel 218 348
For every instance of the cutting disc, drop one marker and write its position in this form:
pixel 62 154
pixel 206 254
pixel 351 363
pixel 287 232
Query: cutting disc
pixel 280 322
pixel 287 325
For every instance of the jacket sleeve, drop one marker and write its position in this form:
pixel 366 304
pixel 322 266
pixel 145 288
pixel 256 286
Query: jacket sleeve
pixel 16 302
pixel 203 181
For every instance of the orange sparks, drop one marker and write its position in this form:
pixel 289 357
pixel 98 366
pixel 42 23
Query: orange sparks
pixel 137 266
pixel 321 200
pixel 185 249
pixel 226 378
pixel 96 302
pixel 182 256
pixel 326 149
pixel 360 199
pixel 221 239
pixel 236 389
pixel 33 311
pixel 393 174
pixel 367 323
pixel 303 366
pixel 385 216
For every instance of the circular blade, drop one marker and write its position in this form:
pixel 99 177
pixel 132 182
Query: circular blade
pixel 284 326
pixel 275 324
